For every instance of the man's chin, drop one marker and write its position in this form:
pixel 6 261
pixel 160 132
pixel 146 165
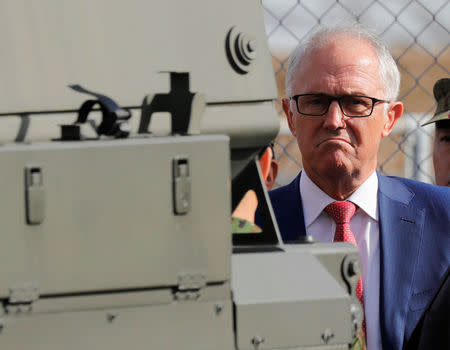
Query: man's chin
pixel 336 168
pixel 336 158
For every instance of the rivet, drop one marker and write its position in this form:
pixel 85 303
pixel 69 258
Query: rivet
pixel 218 308
pixel 111 317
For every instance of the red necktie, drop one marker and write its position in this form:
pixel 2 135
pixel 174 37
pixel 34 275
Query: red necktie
pixel 341 212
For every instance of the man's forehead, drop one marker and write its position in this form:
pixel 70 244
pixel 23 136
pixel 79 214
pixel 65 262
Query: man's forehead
pixel 353 73
pixel 338 50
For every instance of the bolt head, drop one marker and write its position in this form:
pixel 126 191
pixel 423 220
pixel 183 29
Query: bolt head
pixel 327 335
pixel 257 340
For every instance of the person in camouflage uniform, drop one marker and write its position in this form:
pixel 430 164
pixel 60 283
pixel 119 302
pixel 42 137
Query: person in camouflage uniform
pixel 243 217
pixel 441 120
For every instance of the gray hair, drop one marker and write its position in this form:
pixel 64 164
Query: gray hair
pixel 387 68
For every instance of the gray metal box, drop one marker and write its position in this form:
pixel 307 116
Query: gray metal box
pixel 118 49
pixel 290 300
pixel 133 321
pixel 108 220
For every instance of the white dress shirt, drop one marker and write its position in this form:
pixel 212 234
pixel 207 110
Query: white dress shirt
pixel 364 225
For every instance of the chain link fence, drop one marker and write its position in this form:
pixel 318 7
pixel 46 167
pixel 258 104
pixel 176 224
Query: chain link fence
pixel 418 34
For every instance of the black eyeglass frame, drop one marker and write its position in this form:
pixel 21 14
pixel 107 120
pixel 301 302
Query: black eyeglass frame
pixel 338 99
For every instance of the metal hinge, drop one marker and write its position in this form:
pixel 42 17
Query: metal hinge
pixel 21 298
pixel 189 286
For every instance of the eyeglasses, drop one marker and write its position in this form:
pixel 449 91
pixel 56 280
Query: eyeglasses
pixel 353 106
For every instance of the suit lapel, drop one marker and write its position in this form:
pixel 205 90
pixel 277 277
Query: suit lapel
pixel 297 216
pixel 401 229
pixel 288 208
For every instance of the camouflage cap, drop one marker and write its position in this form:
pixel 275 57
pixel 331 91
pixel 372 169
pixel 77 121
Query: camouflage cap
pixel 441 91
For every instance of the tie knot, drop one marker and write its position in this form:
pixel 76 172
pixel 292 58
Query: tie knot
pixel 341 211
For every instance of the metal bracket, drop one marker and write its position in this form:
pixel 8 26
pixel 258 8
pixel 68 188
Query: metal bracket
pixel 351 272
pixel 186 108
pixel 114 118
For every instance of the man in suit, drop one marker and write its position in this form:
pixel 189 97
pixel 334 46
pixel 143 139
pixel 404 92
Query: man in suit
pixel 342 87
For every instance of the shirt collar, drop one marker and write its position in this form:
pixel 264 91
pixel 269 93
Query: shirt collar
pixel 365 197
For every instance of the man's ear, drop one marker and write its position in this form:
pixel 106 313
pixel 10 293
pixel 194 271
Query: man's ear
pixel 289 115
pixel 272 176
pixel 393 114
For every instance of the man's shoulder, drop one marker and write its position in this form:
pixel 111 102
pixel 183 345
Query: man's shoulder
pixel 415 196
pixel 422 185
pixel 284 193
pixel 394 186
pixel 287 206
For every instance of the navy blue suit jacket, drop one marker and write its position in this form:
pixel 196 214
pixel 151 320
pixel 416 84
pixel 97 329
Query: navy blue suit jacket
pixel 432 331
pixel 414 221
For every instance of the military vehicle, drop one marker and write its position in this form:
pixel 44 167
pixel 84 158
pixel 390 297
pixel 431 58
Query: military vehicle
pixel 129 131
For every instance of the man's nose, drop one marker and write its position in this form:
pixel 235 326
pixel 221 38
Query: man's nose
pixel 334 118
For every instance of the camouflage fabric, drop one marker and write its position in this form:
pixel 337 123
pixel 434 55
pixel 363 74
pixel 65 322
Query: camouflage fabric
pixel 244 226
pixel 359 343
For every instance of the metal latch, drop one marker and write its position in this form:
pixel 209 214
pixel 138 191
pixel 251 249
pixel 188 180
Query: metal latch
pixel 35 195
pixel 189 286
pixel 181 185
pixel 351 273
